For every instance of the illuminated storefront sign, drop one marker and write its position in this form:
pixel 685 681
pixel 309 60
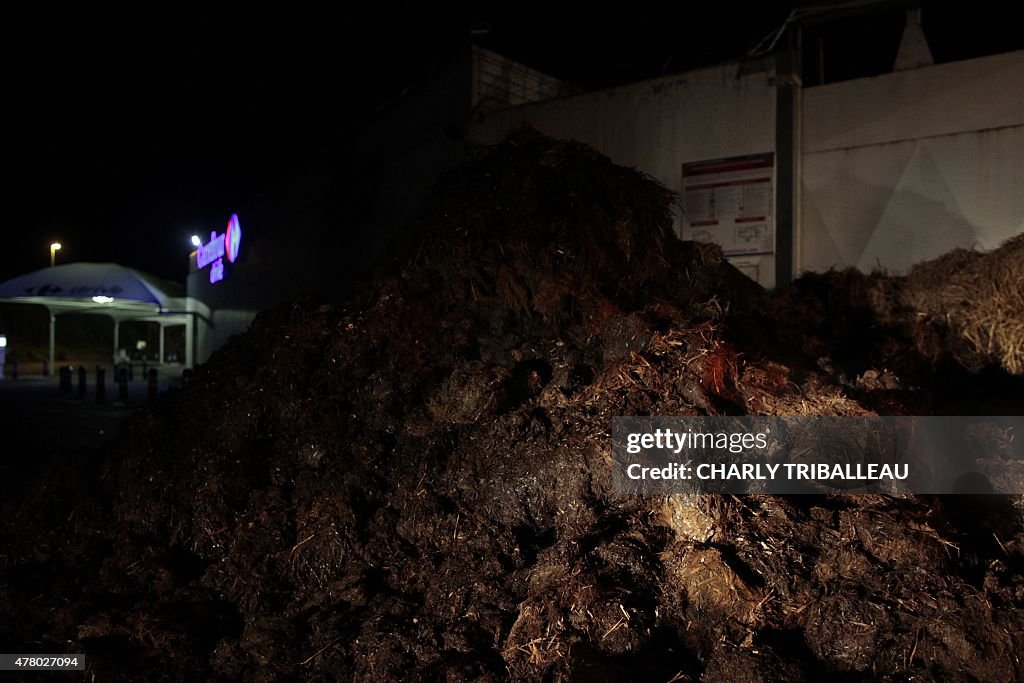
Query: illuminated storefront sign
pixel 213 252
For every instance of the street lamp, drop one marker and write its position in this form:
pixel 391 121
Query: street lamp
pixel 54 248
pixel 196 242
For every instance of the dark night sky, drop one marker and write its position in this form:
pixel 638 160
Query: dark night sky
pixel 123 141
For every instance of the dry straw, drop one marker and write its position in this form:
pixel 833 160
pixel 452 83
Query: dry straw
pixel 979 297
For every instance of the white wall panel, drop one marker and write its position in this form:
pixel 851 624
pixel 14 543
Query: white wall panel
pixel 974 94
pixel 895 169
pixel 906 166
pixel 896 204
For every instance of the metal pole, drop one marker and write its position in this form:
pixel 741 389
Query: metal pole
pixel 190 345
pixel 101 384
pixel 122 385
pixel 53 338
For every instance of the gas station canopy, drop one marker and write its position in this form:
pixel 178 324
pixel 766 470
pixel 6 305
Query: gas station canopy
pixel 77 283
pixel 109 289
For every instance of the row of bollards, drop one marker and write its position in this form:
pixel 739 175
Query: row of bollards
pixel 123 375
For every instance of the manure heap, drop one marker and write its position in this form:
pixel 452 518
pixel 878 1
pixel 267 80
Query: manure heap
pixel 416 483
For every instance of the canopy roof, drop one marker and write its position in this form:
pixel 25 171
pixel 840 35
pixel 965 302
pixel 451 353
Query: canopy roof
pixel 78 283
pixel 107 289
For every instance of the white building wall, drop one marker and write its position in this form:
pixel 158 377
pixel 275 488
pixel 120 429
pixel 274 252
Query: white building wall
pixel 906 166
pixel 657 126
pixel 215 331
pixel 895 169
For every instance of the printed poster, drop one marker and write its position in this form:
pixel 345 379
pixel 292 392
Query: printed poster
pixel 729 202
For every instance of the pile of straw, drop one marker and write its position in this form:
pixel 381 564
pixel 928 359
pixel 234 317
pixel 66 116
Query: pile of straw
pixel 978 298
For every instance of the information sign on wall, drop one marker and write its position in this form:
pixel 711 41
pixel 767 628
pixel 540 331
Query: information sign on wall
pixel 729 202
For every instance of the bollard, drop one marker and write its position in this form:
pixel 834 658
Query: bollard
pixel 122 385
pixel 152 384
pixel 145 373
pixel 101 384
pixel 131 372
pixel 14 368
pixel 81 381
pixel 46 368
pixel 65 379
pixel 186 377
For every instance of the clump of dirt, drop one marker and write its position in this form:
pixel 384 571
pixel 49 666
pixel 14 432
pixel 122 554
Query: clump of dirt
pixel 416 484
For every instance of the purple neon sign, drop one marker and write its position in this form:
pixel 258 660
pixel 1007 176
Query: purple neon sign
pixel 213 252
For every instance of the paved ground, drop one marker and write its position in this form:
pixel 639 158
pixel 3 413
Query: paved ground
pixel 39 424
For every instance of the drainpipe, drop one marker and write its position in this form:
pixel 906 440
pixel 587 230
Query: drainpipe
pixel 788 86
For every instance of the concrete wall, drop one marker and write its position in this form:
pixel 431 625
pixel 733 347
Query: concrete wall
pixel 499 83
pixel 213 332
pixel 894 169
pixel 906 166
pixel 659 125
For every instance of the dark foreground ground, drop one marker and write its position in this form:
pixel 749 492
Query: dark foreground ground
pixel 40 425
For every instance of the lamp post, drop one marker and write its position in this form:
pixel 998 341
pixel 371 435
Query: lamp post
pixel 54 248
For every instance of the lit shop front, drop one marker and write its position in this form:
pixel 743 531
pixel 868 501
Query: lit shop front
pixel 198 319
